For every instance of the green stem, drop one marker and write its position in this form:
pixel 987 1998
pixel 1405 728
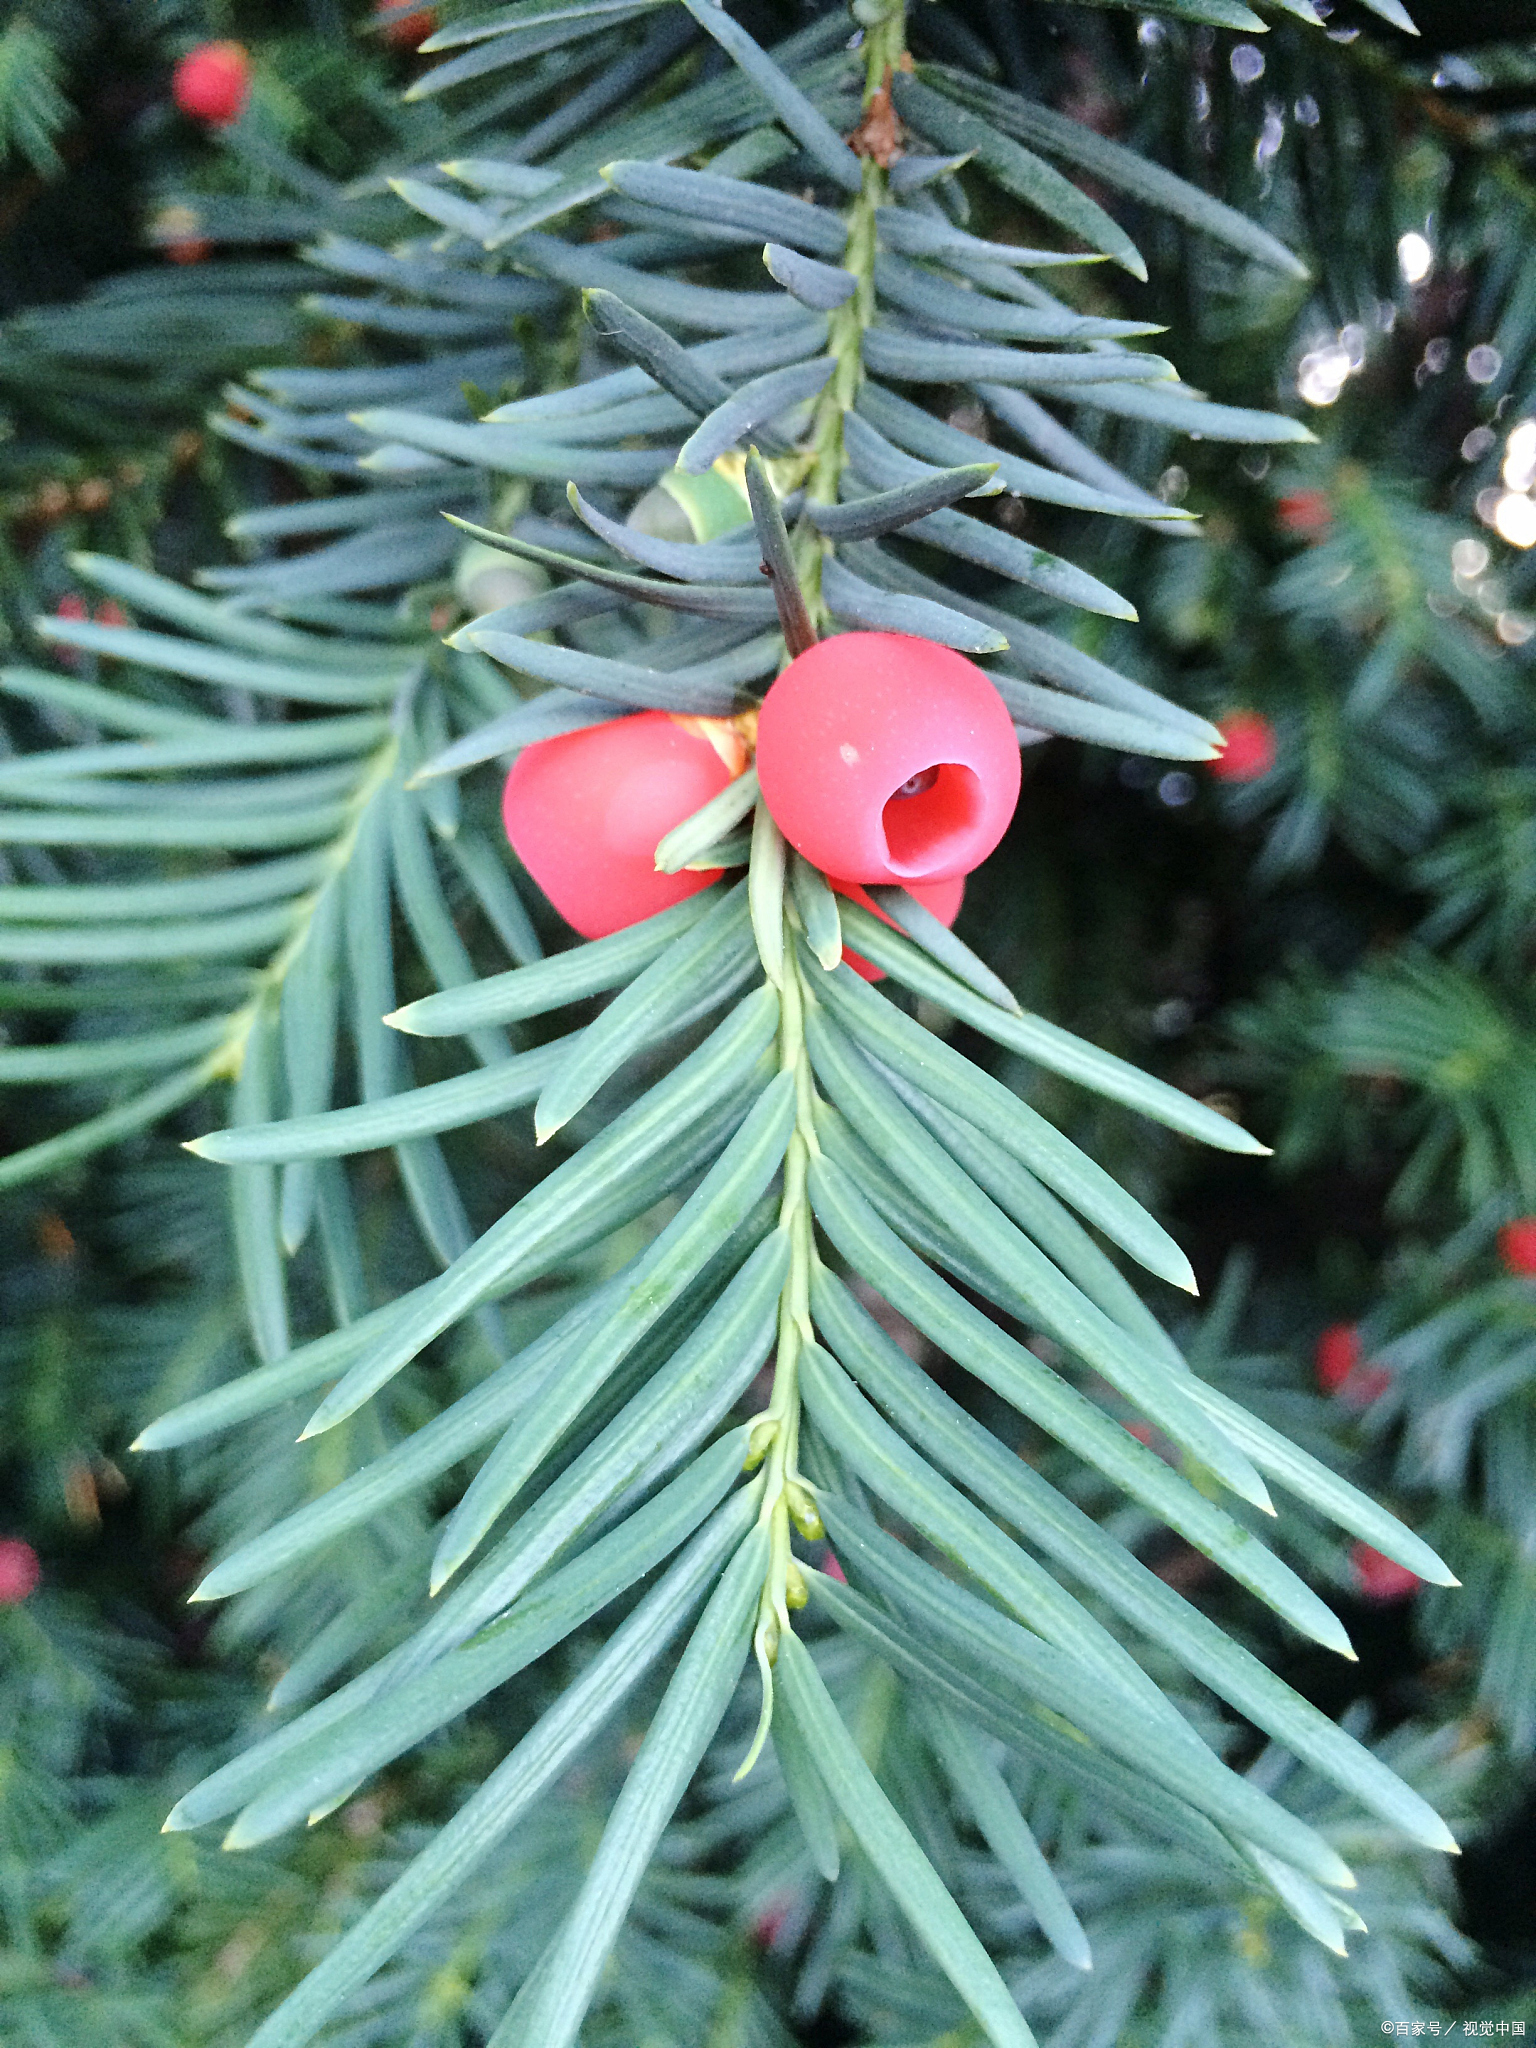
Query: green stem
pixel 885 45
pixel 789 1501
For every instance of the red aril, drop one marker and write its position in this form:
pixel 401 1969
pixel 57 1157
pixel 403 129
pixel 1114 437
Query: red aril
pixel 1336 1356
pixel 584 813
pixel 884 758
pixel 405 30
pixel 1250 751
pixel 213 82
pixel 19 1571
pixel 1367 1383
pixel 1517 1246
pixel 1308 514
pixel 942 898
pixel 1380 1579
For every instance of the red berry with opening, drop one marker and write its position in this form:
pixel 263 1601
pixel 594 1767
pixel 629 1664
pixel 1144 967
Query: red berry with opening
pixel 884 758
pixel 1250 751
pixel 584 813
pixel 213 82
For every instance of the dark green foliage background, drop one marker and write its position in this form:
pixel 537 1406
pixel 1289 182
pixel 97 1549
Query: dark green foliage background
pixel 1290 948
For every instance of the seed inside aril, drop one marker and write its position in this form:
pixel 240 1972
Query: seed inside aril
pixel 915 785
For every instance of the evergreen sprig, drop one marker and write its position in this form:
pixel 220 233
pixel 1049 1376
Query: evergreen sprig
pixel 816 1148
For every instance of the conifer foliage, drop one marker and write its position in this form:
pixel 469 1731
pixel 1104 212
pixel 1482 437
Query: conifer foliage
pixel 682 342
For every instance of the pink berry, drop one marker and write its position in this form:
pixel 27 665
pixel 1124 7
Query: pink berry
pixel 584 813
pixel 833 1569
pixel 942 898
pixel 213 82
pixel 1380 1579
pixel 1336 1356
pixel 1517 1246
pixel 1250 751
pixel 885 758
pixel 19 1571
